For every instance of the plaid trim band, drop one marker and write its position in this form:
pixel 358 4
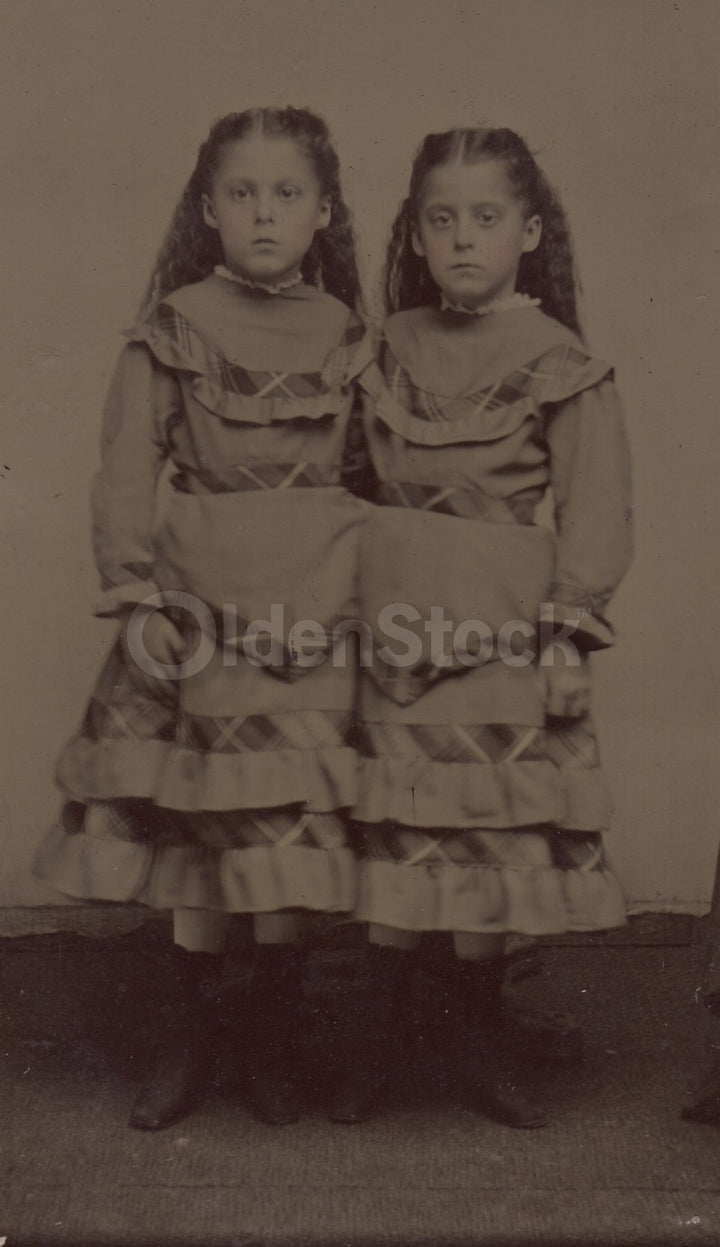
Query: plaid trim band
pixel 470 504
pixel 529 381
pixel 241 477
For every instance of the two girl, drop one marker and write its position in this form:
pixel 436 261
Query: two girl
pixel 463 749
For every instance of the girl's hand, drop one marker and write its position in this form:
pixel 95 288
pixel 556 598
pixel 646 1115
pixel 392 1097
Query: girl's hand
pixel 161 640
pixel 567 687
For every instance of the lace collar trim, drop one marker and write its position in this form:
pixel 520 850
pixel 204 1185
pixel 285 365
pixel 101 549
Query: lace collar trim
pixel 498 305
pixel 266 288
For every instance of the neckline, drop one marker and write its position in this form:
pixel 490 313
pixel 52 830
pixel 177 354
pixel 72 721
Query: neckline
pixel 506 304
pixel 264 287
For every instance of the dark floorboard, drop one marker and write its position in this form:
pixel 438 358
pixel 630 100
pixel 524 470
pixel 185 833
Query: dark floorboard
pixel 615 1168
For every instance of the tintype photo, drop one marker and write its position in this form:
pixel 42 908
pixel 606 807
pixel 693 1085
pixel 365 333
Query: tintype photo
pixel 360 703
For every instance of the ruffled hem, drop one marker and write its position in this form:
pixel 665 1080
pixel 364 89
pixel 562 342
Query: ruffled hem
pixel 270 409
pixel 560 373
pixel 488 899
pixel 492 426
pixel 575 371
pixel 422 793
pixel 248 880
pixel 180 779
pixel 177 344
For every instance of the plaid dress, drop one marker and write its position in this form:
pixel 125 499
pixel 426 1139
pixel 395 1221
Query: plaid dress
pixel 222 789
pixel 477 813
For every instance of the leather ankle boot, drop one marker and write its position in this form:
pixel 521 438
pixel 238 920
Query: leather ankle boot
pixel 537 1034
pixel 185 1048
pixel 276 996
pixel 490 1069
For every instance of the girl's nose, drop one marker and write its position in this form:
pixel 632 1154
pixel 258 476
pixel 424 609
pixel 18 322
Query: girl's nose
pixel 463 232
pixel 264 208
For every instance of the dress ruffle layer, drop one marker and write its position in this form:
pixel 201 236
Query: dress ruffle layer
pixel 179 779
pixel 256 879
pixel 229 390
pixel 421 793
pixel 488 413
pixel 492 775
pixel 450 897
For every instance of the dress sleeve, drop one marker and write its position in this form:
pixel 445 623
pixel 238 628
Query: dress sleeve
pixel 590 477
pixel 142 401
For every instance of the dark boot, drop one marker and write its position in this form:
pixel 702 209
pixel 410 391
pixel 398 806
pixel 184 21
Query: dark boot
pixel 369 1042
pixel 489 1067
pixel 551 1036
pixel 185 1051
pixel 276 997
pixel 538 1034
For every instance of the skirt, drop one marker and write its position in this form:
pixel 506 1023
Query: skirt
pixel 475 813
pixel 224 790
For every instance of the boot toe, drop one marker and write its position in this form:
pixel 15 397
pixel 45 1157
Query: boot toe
pixel 508 1106
pixel 350 1106
pixel 177 1083
pixel 275 1106
pixel 158 1107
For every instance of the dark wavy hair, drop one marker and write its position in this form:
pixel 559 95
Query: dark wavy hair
pixel 548 273
pixel 191 249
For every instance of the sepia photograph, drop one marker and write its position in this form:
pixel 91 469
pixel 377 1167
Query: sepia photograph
pixel 359 775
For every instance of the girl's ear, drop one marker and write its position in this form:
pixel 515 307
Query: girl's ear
pixel 209 212
pixel 416 241
pixel 324 213
pixel 533 234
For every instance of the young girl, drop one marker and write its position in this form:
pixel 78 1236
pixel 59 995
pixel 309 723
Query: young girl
pixel 482 800
pixel 218 792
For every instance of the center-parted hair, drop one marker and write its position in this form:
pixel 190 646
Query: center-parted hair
pixel 191 249
pixel 548 273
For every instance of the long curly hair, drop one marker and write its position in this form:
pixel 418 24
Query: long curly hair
pixel 548 273
pixel 191 249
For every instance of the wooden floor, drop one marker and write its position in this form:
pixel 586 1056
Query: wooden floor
pixel 616 1167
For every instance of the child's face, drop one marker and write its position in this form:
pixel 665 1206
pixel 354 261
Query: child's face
pixel 472 231
pixel 266 204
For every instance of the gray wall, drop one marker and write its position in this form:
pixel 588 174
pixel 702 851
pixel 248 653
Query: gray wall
pixel 105 105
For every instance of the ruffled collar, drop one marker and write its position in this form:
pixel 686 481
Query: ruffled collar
pixel 506 304
pixel 265 287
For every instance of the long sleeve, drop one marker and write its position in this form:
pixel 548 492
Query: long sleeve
pixel 590 477
pixel 143 398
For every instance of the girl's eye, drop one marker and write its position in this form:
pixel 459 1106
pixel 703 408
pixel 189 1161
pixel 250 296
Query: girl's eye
pixel 289 192
pixel 241 193
pixel 488 217
pixel 441 220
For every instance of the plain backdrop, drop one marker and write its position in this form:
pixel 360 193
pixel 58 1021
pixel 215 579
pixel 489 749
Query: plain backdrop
pixel 105 104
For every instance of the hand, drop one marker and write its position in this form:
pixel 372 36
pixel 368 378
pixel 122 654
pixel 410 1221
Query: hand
pixel 567 687
pixel 161 640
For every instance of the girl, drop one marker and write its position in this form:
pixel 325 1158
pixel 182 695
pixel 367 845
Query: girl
pixel 212 762
pixel 482 801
